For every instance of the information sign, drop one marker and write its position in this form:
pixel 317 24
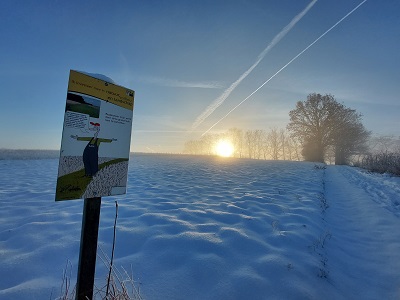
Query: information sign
pixel 96 137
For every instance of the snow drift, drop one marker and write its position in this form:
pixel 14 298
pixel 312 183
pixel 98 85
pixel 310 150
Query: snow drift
pixel 211 228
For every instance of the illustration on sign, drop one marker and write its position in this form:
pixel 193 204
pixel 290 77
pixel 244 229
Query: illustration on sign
pixel 96 138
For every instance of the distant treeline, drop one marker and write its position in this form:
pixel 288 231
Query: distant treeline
pixel 12 154
pixel 381 154
pixel 273 144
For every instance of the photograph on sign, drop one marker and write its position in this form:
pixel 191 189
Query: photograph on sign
pixel 96 137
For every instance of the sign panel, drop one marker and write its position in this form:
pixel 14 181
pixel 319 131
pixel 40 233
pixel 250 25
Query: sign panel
pixel 96 138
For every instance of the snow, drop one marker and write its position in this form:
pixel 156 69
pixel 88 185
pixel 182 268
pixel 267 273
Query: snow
pixel 99 76
pixel 211 228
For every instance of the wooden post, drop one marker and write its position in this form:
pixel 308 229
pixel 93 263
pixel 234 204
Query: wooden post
pixel 88 248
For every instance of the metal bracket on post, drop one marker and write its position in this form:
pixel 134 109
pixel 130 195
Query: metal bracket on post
pixel 88 248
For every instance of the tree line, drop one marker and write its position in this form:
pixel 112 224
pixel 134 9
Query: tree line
pixel 320 129
pixel 274 144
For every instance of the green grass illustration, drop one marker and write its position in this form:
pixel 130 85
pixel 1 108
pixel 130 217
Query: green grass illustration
pixel 92 111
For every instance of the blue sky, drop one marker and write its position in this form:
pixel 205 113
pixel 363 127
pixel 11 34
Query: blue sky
pixel 180 56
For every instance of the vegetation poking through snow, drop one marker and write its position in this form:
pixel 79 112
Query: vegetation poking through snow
pixel 382 163
pixel 120 285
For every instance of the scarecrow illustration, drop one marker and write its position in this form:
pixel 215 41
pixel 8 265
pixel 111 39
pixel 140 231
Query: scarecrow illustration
pixel 91 152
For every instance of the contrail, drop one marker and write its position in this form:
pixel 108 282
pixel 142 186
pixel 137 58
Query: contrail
pixel 281 69
pixel 217 102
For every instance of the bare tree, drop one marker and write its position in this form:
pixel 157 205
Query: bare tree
pixel 321 122
pixel 274 143
pixel 208 142
pixel 236 137
pixel 283 143
pixel 350 139
pixel 264 145
pixel 258 143
pixel 294 148
pixel 249 140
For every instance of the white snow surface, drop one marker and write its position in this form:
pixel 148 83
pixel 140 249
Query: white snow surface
pixel 211 228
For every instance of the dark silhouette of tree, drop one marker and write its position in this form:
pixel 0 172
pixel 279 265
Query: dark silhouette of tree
pixel 350 136
pixel 321 122
pixel 313 151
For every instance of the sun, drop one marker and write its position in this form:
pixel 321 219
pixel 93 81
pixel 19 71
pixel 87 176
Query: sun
pixel 224 148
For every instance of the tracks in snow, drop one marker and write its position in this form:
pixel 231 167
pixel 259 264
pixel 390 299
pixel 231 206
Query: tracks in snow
pixel 364 227
pixel 382 189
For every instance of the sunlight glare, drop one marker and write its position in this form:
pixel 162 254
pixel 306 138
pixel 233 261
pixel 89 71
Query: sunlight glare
pixel 224 148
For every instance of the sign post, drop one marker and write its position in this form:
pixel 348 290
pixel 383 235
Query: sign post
pixel 94 157
pixel 88 248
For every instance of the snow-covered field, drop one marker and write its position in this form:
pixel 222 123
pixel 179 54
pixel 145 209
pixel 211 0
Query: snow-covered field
pixel 211 228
